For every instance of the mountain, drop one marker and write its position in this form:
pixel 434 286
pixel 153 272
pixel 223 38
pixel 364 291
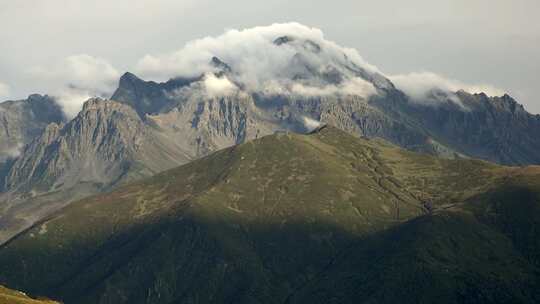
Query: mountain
pixel 496 129
pixel 148 126
pixel 101 144
pixel 316 83
pixel 459 124
pixel 8 296
pixel 107 144
pixel 23 120
pixel 146 96
pixel 214 122
pixel 287 218
pixel 286 73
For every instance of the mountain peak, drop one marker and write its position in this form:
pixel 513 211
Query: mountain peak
pixel 146 97
pixel 94 104
pixel 262 60
pixel 129 77
pixel 36 97
pixel 23 120
pixel 219 64
pixel 283 40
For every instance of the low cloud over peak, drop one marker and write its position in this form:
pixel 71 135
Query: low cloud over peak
pixel 218 86
pixel 276 58
pixel 76 79
pixel 296 59
pixel 419 86
pixel 284 58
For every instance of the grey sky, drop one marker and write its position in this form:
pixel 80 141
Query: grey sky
pixel 495 42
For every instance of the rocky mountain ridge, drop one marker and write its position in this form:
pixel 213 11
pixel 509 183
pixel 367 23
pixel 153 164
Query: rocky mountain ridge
pixel 23 120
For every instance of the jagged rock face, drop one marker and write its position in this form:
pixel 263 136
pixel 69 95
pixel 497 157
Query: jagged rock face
pixel 208 124
pixel 202 123
pixel 146 97
pixel 23 120
pixel 101 145
pixel 497 129
pixel 202 126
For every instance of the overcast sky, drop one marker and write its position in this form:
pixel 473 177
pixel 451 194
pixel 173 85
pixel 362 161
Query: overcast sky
pixel 495 42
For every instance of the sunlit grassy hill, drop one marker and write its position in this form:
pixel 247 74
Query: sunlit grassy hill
pixel 8 296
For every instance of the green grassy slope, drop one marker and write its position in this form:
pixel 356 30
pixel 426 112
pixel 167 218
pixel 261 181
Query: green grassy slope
pixel 444 258
pixel 293 218
pixel 8 296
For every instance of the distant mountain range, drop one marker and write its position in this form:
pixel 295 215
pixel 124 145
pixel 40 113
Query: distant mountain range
pixel 290 218
pixel 148 127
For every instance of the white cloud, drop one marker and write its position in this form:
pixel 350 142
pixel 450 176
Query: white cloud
pixel 4 90
pixel 310 123
pixel 261 65
pixel 215 86
pixel 356 86
pixel 306 63
pixel 76 79
pixel 72 100
pixel 418 86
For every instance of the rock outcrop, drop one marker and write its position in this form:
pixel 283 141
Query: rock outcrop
pixel 23 120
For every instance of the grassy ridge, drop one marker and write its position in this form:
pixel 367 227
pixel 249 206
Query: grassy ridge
pixel 8 296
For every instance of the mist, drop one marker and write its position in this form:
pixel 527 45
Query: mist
pixel 77 78
pixel 418 86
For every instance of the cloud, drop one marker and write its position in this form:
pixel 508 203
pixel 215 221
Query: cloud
pixel 420 86
pixel 77 78
pixel 286 58
pixel 298 62
pixel 72 100
pixel 310 123
pixel 4 90
pixel 355 86
pixel 218 86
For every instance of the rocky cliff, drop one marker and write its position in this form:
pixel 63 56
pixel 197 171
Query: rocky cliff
pixel 23 120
